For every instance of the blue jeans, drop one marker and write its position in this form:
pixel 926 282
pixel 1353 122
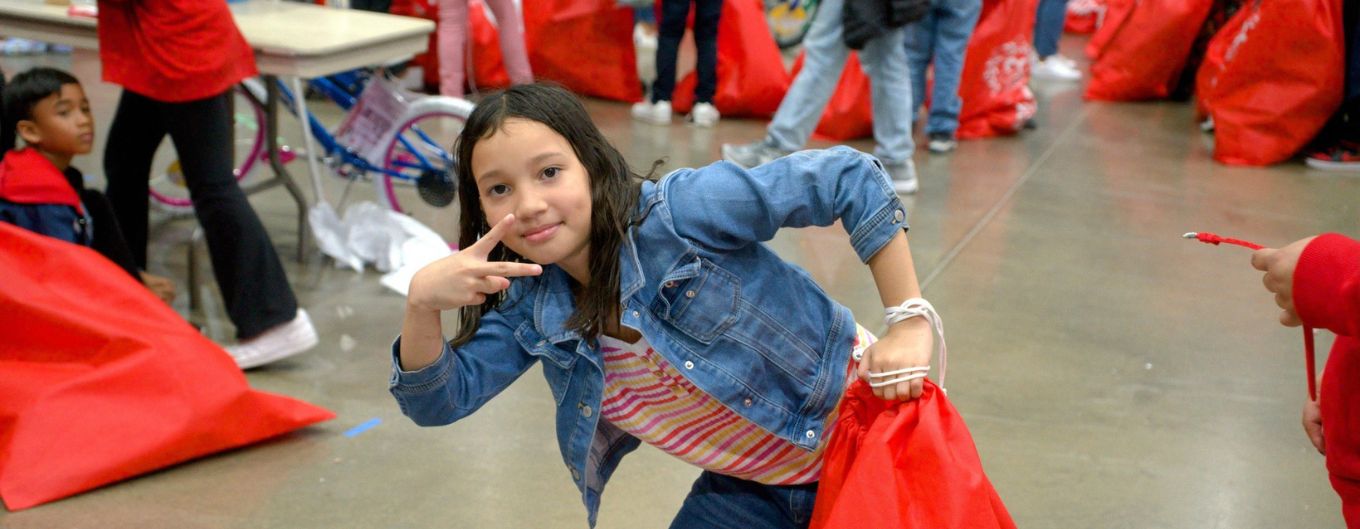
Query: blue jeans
pixel 722 502
pixel 884 60
pixel 1048 26
pixel 674 13
pixel 942 35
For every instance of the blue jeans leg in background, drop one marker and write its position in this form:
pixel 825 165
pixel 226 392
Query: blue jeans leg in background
pixel 1048 26
pixel 883 60
pixel 723 502
pixel 941 38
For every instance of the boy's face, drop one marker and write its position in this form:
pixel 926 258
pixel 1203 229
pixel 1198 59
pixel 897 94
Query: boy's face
pixel 62 123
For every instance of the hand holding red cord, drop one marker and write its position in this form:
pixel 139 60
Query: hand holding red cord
pixel 1279 278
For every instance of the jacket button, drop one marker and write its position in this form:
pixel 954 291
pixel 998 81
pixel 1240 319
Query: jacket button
pixel 746 403
pixel 586 411
pixel 899 215
pixel 636 314
pixel 689 293
pixel 670 284
pixel 542 343
pixel 689 364
pixel 811 434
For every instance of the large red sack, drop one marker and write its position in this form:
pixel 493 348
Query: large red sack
pixel 848 114
pixel 586 45
pixel 1271 79
pixel 102 381
pixel 1084 16
pixel 903 465
pixel 488 65
pixel 751 76
pixel 1146 50
pixel 994 84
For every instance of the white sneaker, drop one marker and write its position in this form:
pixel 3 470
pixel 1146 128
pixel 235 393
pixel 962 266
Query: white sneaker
pixel 275 344
pixel 903 177
pixel 658 113
pixel 1063 59
pixel 1054 69
pixel 704 115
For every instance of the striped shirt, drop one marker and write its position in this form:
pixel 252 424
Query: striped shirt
pixel 651 400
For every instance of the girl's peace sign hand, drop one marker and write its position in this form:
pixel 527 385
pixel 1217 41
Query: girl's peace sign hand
pixel 467 278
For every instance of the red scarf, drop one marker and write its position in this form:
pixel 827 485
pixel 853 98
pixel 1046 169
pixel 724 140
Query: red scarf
pixel 28 177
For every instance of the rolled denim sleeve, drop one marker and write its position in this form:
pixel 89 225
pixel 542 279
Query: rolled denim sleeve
pixel 461 380
pixel 725 207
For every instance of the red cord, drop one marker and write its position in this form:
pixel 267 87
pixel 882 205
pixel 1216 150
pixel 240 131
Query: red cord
pixel 1216 239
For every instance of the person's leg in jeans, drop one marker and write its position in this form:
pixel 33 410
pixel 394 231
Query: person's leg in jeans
pixel 707 13
pixel 723 502
pixel 823 61
pixel 885 62
pixel 920 42
pixel 254 288
pixel 136 132
pixel 1048 26
pixel 674 14
pixel 954 27
pixel 452 35
pixel 510 24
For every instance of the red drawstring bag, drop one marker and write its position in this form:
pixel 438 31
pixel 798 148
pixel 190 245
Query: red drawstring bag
pixel 586 45
pixel 488 65
pixel 1271 79
pixel 102 381
pixel 903 465
pixel 994 84
pixel 848 115
pixel 1084 16
pixel 1146 50
pixel 751 76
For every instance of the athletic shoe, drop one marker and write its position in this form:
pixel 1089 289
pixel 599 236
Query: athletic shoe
pixel 1054 69
pixel 658 113
pixel 903 177
pixel 751 154
pixel 275 344
pixel 704 115
pixel 941 142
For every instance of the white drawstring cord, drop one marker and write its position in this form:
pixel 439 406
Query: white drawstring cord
pixel 912 308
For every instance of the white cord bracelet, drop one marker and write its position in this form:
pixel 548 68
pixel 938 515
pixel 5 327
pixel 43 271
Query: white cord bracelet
pixel 912 308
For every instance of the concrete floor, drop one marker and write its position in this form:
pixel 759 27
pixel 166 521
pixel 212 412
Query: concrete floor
pixel 1112 374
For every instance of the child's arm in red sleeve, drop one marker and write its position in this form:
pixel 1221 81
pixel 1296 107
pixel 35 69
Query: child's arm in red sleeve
pixel 1327 284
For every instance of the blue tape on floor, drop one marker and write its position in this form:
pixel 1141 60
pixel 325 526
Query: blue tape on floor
pixel 363 427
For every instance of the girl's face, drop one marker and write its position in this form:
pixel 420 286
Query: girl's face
pixel 528 169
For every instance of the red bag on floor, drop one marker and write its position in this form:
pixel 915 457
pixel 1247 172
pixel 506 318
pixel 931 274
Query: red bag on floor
pixel 848 114
pixel 903 465
pixel 751 76
pixel 102 381
pixel 1271 79
pixel 429 60
pixel 1146 50
pixel 1084 16
pixel 1116 12
pixel 488 65
pixel 586 45
pixel 994 84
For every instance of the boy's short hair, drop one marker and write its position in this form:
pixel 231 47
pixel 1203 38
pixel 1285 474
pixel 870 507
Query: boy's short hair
pixel 23 92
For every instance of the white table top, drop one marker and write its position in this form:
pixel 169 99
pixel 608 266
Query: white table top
pixel 288 38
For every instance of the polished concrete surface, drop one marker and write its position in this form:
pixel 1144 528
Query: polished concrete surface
pixel 1113 375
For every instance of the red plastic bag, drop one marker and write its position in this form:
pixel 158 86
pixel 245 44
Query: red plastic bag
pixel 1084 16
pixel 102 381
pixel 903 465
pixel 994 84
pixel 751 76
pixel 586 45
pixel 1271 79
pixel 488 65
pixel 1146 50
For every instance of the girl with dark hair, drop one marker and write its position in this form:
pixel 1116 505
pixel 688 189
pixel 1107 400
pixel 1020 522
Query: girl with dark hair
pixel 654 308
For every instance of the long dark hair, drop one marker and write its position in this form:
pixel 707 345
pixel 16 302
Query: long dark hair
pixel 614 192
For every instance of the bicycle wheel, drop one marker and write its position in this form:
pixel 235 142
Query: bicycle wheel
pixel 168 192
pixel 418 165
pixel 789 20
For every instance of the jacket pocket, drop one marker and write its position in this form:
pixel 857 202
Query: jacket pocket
pixel 698 298
pixel 557 363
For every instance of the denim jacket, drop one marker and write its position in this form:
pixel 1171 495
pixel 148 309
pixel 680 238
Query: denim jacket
pixel 751 330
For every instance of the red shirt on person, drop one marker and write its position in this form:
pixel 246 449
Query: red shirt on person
pixel 172 50
pixel 1327 296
